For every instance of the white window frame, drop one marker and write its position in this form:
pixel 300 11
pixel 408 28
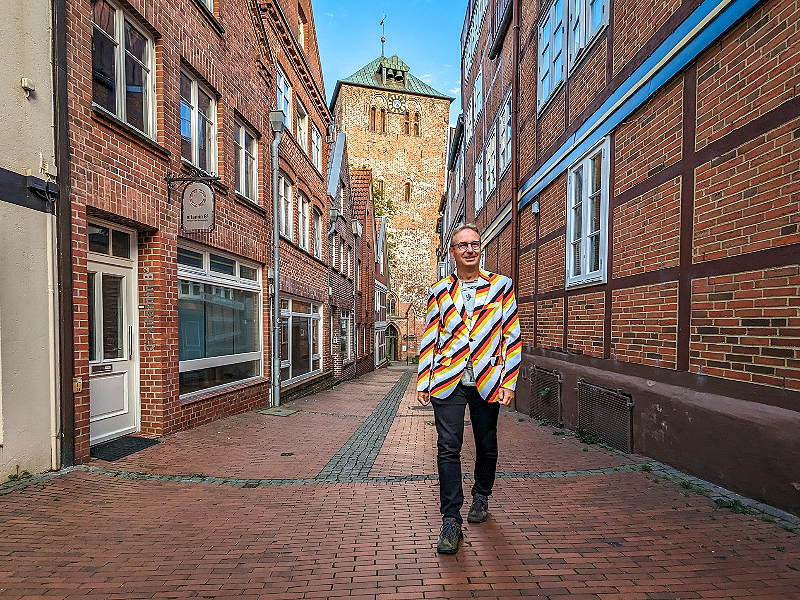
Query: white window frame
pixel 205 275
pixel 579 206
pixel 477 95
pixel 315 315
pixel 302 126
pixel 317 233
pixel 582 31
pixel 246 154
pixel 195 120
pixel 491 161
pixel 504 135
pixel 468 122
pixel 303 207
pixel 285 207
pixel 552 48
pixel 284 91
pixel 316 147
pixel 479 184
pixel 121 17
pixel 346 328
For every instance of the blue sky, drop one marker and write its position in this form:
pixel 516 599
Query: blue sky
pixel 426 34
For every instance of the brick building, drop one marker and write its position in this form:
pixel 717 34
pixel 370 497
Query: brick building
pixel 635 169
pixel 171 326
pixel 306 361
pixel 396 125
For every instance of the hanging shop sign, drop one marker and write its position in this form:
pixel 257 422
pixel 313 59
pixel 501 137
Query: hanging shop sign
pixel 197 207
pixel 197 200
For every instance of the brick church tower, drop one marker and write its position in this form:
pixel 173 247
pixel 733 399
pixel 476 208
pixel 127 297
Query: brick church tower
pixel 397 126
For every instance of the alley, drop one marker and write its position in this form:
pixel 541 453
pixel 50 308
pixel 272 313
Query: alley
pixel 335 495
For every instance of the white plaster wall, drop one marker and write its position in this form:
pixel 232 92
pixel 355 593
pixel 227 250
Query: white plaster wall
pixel 28 328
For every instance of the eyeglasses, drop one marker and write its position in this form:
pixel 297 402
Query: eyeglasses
pixel 462 247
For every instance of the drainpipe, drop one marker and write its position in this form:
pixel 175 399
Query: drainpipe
pixel 514 142
pixel 276 122
pixel 66 350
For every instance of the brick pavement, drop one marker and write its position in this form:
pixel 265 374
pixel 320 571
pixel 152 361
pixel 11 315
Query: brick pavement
pixel 218 512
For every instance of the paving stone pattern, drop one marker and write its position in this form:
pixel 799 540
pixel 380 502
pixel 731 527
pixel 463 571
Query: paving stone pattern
pixel 340 500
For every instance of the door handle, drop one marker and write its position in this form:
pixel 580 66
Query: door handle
pixel 130 342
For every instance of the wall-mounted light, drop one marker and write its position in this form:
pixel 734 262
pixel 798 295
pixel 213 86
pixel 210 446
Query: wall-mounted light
pixel 535 207
pixel 334 215
pixel 356 227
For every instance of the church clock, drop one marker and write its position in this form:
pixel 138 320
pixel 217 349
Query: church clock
pixel 397 103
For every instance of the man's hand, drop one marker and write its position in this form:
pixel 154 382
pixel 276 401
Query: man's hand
pixel 504 397
pixel 423 398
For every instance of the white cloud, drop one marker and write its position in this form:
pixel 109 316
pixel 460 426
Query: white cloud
pixel 455 90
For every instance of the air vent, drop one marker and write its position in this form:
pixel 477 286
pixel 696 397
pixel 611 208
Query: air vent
pixel 546 396
pixel 606 414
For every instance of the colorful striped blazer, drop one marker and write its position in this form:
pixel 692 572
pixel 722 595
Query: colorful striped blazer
pixel 494 341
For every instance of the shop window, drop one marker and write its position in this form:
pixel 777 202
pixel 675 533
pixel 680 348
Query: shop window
pixel 219 320
pixel 587 217
pixel 301 340
pixel 122 65
pixel 198 118
pixel 246 162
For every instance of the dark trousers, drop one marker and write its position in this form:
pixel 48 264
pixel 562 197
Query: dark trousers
pixel 449 415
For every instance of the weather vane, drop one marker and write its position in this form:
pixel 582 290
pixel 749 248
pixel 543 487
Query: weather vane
pixel 383 33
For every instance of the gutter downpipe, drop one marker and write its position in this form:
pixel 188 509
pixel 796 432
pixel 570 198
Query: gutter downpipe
pixel 514 143
pixel 275 362
pixel 66 348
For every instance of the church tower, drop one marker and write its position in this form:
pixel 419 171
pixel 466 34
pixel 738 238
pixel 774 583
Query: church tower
pixel 397 126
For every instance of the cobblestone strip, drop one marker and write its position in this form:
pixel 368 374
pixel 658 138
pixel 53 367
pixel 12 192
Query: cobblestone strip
pixel 354 460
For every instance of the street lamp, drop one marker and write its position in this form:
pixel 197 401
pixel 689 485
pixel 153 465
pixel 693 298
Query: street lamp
pixel 276 121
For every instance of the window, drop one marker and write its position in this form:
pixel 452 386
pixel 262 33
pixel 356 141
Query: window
pixel 477 95
pixel 198 112
pixel 383 120
pixel 373 118
pixel 342 256
pixel 219 319
pixel 377 185
pixel 491 164
pixel 108 241
pixel 285 206
pixel 392 306
pixel 468 122
pixel 334 247
pixel 317 233
pixel 301 339
pixel 504 134
pixel 350 262
pixel 303 225
pixel 301 28
pixel 474 32
pixel 346 335
pixel 586 19
pixel 316 147
pixel 587 217
pixel 358 276
pixel 407 123
pixel 479 184
pixel 551 52
pixel 407 191
pixel 302 126
pixel 417 129
pixel 246 164
pixel 122 63
pixel 284 96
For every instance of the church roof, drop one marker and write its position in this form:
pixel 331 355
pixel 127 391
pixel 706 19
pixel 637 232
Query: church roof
pixel 370 76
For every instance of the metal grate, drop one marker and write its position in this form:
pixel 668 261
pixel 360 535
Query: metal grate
pixel 606 415
pixel 546 396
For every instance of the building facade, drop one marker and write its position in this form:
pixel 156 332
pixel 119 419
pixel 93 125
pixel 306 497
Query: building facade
pixel 396 125
pixel 30 381
pixel 364 212
pixel 649 216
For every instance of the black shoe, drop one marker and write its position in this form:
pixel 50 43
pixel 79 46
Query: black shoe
pixel 479 511
pixel 450 536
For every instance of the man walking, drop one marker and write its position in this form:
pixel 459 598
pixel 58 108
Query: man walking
pixel 470 355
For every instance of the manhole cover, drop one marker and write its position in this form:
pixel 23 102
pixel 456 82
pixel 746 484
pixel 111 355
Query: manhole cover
pixel 278 411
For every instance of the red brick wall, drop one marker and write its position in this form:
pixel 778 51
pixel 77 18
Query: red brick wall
pixel 650 140
pixel 553 206
pixel 746 200
pixel 635 22
pixel 526 323
pixel 552 265
pixel 588 81
pixel 550 323
pixel 751 72
pixel 647 231
pixel 747 326
pixel 644 324
pixel 585 329
pixel 552 121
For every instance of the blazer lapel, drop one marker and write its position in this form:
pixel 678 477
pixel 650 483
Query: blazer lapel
pixel 482 292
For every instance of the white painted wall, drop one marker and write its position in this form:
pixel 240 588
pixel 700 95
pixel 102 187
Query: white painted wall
pixel 28 326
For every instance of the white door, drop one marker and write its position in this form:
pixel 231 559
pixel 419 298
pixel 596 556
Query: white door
pixel 113 389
